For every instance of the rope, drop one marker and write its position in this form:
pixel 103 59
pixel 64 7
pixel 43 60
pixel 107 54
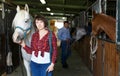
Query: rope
pixel 93 49
pixel 21 63
pixel 50 44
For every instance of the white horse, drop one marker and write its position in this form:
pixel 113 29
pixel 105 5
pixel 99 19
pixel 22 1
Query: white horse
pixel 80 32
pixel 23 29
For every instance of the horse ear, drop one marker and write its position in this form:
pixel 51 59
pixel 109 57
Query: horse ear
pixel 94 13
pixel 26 8
pixel 18 8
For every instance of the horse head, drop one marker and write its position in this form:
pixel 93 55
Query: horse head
pixel 95 24
pixel 22 23
pixel 102 22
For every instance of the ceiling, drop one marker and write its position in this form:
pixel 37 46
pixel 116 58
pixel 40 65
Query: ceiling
pixel 60 8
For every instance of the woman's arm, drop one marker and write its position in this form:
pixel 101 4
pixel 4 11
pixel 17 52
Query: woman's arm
pixel 27 48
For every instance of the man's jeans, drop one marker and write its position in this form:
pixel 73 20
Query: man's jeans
pixel 66 51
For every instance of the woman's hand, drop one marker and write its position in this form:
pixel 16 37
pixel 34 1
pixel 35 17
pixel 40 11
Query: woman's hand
pixel 22 43
pixel 50 67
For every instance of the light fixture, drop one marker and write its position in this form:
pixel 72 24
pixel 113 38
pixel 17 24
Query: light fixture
pixel 63 18
pixel 51 13
pixel 48 9
pixel 43 1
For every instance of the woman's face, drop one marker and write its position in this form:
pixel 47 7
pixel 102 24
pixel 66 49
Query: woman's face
pixel 40 24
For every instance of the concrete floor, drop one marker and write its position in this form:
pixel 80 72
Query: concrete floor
pixel 76 67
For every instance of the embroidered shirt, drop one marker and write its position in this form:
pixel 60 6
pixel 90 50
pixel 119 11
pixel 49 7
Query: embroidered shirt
pixel 42 45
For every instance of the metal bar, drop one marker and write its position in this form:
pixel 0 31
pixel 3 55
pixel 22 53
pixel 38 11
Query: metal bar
pixel 92 5
pixel 3 11
pixel 118 22
pixel 107 40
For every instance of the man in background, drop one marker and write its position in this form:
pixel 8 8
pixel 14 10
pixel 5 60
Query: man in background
pixel 64 36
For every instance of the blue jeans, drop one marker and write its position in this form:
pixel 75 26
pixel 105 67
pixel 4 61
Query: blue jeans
pixel 66 51
pixel 39 69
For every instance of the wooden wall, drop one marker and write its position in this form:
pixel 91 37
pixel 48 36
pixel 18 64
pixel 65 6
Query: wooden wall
pixel 2 54
pixel 6 43
pixel 107 58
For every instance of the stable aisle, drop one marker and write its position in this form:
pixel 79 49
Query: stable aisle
pixel 76 67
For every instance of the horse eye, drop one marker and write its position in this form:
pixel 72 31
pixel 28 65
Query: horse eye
pixel 26 21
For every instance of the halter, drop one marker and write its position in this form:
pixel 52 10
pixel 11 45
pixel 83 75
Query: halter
pixel 25 30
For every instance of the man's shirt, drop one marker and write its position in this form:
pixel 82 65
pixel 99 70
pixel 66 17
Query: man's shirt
pixel 64 34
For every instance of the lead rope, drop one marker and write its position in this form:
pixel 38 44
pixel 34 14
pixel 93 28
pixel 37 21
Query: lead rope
pixel 50 45
pixel 21 61
pixel 93 49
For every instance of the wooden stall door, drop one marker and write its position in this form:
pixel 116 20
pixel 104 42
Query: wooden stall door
pixel 2 54
pixel 107 58
pixel 2 47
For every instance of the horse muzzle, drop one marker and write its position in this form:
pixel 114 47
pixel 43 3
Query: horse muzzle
pixel 17 38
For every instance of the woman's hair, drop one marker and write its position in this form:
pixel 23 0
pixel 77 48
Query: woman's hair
pixel 40 17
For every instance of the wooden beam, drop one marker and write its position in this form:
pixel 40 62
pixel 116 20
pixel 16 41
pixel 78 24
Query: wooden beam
pixel 50 5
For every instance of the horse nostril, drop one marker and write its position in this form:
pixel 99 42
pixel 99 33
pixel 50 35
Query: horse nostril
pixel 26 21
pixel 19 38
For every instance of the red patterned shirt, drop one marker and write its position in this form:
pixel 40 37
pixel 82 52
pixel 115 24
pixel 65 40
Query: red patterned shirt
pixel 42 45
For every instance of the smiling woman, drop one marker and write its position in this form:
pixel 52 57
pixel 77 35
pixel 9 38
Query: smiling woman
pixel 43 49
